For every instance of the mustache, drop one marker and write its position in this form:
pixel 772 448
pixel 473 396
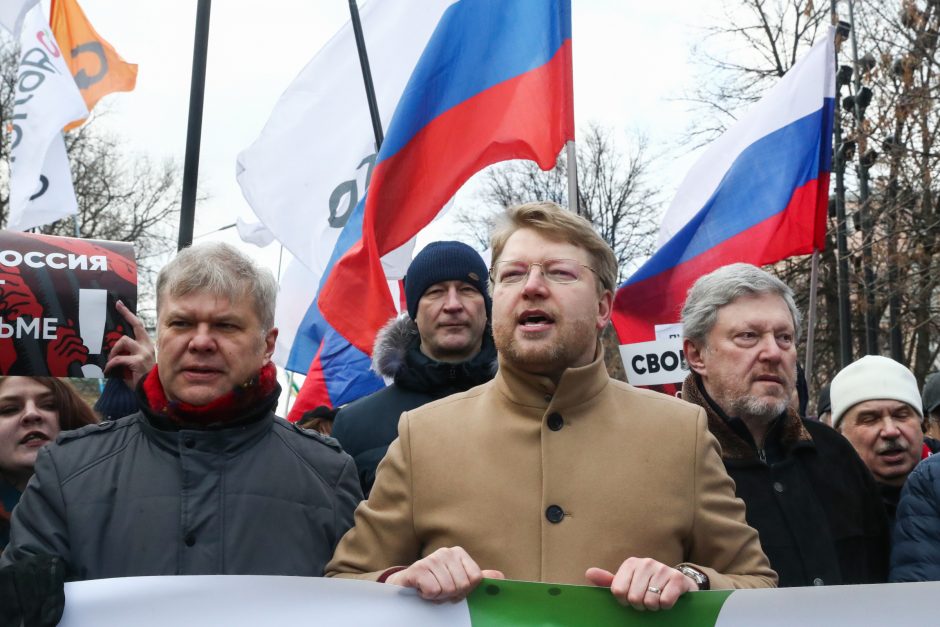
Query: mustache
pixel 892 446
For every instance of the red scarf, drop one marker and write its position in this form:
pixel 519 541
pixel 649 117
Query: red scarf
pixel 227 408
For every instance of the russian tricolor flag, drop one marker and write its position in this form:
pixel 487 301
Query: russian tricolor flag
pixel 493 83
pixel 759 194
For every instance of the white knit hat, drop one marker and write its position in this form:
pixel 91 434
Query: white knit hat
pixel 873 378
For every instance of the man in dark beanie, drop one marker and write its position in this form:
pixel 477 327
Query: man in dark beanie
pixel 443 346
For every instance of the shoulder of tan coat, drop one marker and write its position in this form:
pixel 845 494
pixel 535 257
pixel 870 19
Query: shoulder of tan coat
pixel 432 410
pixel 657 402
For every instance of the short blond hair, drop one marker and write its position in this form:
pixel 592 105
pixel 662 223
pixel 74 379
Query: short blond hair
pixel 221 270
pixel 558 224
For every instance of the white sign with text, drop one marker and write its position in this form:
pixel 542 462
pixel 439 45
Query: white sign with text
pixel 655 363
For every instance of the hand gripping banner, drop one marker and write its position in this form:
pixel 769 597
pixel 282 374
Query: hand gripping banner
pixel 234 601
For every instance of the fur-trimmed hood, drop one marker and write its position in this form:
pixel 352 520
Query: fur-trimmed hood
pixel 391 345
pixel 397 355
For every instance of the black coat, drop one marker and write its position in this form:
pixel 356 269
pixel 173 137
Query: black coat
pixel 813 501
pixel 367 427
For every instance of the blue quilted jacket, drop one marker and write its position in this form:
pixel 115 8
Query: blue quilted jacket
pixel 915 552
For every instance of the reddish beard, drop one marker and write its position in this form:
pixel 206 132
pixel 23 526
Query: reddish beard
pixel 545 355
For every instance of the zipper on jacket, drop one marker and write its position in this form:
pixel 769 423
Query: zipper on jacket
pixel 762 455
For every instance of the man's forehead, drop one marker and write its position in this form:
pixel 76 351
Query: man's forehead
pixel 206 303
pixel 741 312
pixel 458 283
pixel 520 247
pixel 880 406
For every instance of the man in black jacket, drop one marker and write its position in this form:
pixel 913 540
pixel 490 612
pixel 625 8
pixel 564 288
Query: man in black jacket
pixel 810 497
pixel 204 479
pixel 443 346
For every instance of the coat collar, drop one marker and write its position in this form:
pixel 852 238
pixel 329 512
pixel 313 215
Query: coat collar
pixel 397 355
pixel 576 385
pixel 733 447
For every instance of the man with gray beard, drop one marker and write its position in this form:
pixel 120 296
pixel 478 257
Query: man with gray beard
pixel 807 492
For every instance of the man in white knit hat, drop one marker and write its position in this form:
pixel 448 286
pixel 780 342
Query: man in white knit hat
pixel 876 405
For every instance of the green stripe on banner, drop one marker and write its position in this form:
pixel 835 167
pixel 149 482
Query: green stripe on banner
pixel 498 603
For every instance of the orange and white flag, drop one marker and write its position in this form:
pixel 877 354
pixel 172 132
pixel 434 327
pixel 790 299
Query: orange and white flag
pixel 98 69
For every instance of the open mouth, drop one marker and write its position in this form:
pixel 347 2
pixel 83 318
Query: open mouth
pixel 37 437
pixel 535 319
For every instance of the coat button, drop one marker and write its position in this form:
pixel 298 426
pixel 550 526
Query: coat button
pixel 548 398
pixel 778 487
pixel 189 442
pixel 190 539
pixel 554 514
pixel 555 421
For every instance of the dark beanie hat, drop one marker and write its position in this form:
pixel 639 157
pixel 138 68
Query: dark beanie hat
pixel 445 261
pixel 931 393
pixel 117 400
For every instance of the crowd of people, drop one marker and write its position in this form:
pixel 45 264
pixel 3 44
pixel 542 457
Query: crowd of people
pixel 500 448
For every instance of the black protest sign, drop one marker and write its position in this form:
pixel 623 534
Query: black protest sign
pixel 57 303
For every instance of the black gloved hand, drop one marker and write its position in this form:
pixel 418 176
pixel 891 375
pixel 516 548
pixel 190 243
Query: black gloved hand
pixel 32 592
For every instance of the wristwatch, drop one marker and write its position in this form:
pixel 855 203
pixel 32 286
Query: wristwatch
pixel 695 575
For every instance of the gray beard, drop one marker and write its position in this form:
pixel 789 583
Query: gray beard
pixel 753 407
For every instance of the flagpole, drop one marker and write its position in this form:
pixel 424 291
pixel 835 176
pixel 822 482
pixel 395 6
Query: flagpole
pixel 864 209
pixel 366 74
pixel 811 315
pixel 197 89
pixel 290 393
pixel 838 167
pixel 572 152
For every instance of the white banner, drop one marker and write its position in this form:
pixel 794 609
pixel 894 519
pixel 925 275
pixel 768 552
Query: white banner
pixel 252 601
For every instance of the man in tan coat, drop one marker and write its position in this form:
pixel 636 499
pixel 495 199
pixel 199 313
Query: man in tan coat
pixel 553 471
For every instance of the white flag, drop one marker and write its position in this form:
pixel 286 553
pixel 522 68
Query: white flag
pixel 253 232
pixel 54 199
pixel 12 13
pixel 311 165
pixel 45 100
pixel 312 162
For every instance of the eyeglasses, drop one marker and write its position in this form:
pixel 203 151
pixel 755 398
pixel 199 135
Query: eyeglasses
pixel 555 270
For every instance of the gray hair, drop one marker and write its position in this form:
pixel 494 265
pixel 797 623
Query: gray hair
pixel 722 287
pixel 224 271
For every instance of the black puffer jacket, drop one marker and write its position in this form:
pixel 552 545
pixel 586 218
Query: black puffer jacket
pixel 808 494
pixel 367 426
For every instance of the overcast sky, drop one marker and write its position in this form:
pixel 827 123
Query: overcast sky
pixel 631 63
